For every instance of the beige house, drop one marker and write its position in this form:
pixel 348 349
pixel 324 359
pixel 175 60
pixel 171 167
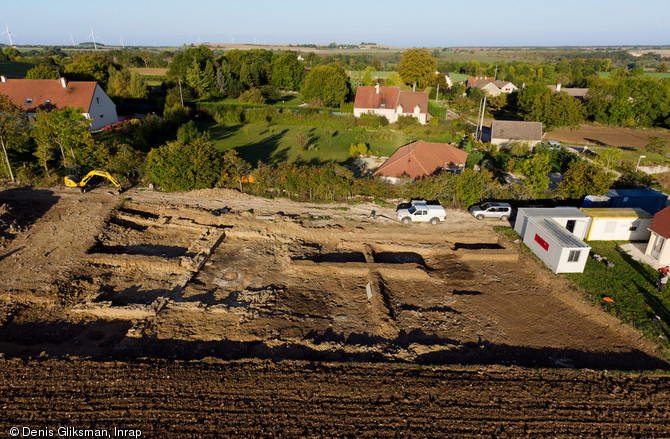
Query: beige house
pixel 505 86
pixel 391 103
pixel 504 132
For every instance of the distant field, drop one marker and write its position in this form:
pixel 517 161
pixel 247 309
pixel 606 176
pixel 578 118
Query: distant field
pixel 654 74
pixel 15 70
pixel 150 71
pixel 458 77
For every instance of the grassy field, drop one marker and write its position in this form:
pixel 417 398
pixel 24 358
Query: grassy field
pixel 15 70
pixel 633 155
pixel 632 287
pixel 277 143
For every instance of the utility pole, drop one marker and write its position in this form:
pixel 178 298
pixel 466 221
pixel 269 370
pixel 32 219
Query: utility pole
pixel 437 94
pixel 479 113
pixel 481 124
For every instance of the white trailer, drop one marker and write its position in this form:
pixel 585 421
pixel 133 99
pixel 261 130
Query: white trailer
pixel 618 223
pixel 571 218
pixel 559 249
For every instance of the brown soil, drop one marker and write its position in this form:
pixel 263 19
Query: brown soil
pixel 300 399
pixel 161 276
pixel 606 136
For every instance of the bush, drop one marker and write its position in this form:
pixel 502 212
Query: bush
pixel 372 121
pixel 251 96
pixel 356 150
pixel 657 145
pixel 407 122
pixel 176 166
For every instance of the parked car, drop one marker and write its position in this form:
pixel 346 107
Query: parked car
pixel 491 209
pixel 552 144
pixel 421 211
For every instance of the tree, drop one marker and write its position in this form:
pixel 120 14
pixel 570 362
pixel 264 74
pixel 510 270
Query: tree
pixel 42 72
pixel 181 62
pixel 328 84
pixel 286 71
pixel 124 84
pixel 176 166
pixel 66 129
pixel 556 110
pixel 527 95
pixel 416 67
pixel 608 156
pixel 252 96
pixel 470 186
pixel 368 79
pixel 535 171
pixel 13 129
pixel 235 169
pixel 584 178
pixel 202 79
pixel 90 67
pixel 393 80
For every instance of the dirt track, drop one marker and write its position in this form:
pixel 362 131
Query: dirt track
pixel 266 399
pixel 135 285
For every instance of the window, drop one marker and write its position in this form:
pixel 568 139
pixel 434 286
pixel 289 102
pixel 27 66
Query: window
pixel 47 102
pixel 658 244
pixel 634 226
pixel 28 101
pixel 97 100
pixel 570 225
pixel 573 256
pixel 102 115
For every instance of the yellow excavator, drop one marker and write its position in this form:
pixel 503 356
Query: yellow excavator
pixel 73 179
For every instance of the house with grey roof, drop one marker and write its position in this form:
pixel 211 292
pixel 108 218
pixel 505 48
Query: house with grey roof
pixel 503 132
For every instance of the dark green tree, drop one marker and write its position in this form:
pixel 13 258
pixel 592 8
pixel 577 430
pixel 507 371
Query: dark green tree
pixel 42 72
pixel 89 67
pixel 13 129
pixel 176 166
pixel 584 178
pixel 327 84
pixel 556 110
pixel 287 71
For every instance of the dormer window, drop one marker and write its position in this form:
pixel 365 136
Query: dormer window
pixel 28 101
pixel 47 102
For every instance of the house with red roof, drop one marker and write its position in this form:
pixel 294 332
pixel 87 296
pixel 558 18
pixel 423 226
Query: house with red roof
pixel 658 247
pixel 391 103
pixel 50 94
pixel 421 159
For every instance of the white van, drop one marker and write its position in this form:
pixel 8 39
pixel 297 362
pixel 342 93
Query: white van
pixel 420 211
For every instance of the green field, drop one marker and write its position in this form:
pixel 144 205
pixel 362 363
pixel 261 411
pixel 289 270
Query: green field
pixel 653 74
pixel 278 143
pixel 633 155
pixel 15 70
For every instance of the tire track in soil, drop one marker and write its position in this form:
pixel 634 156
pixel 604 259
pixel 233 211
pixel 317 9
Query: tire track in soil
pixel 300 399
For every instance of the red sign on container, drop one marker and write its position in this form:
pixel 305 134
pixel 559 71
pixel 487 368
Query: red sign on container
pixel 544 244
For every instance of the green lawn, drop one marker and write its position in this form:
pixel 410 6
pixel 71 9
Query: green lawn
pixel 633 155
pixel 458 77
pixel 278 143
pixel 632 286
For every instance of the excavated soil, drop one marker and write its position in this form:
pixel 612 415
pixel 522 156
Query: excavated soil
pixel 290 312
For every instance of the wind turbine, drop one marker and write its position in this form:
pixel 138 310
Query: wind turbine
pixel 92 35
pixel 198 40
pixel 72 39
pixel 121 36
pixel 9 35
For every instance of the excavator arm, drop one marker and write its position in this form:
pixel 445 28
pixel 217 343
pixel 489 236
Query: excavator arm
pixel 74 181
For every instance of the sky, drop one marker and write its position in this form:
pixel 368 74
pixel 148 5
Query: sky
pixel 428 23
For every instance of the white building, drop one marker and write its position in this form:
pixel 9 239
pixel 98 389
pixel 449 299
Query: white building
pixel 658 247
pixel 559 249
pixel 571 218
pixel 618 223
pixel 391 103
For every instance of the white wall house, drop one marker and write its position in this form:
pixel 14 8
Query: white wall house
pixel 391 103
pixel 56 94
pixel 618 223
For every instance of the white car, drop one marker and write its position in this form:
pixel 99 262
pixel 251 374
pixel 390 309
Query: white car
pixel 491 209
pixel 420 211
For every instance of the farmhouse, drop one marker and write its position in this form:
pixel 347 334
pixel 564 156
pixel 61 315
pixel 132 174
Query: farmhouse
pixel 420 159
pixel 487 87
pixel 657 247
pixel 504 132
pixel 391 103
pixel 505 86
pixel 50 94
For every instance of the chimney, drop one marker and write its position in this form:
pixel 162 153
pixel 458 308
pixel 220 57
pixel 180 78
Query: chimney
pixel 3 79
pixel 376 88
pixel 558 87
pixel 63 82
